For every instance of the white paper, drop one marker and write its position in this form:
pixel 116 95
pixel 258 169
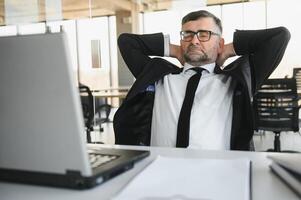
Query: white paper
pixel 190 179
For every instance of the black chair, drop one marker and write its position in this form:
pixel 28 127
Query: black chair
pixel 297 76
pixel 88 109
pixel 102 111
pixel 276 108
pixel 92 111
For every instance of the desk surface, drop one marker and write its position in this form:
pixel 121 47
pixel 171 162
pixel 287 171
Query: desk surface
pixel 109 94
pixel 265 185
pixel 119 88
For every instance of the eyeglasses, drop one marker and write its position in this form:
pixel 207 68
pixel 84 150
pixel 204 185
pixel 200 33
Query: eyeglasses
pixel 203 35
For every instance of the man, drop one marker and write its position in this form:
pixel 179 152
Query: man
pixel 161 109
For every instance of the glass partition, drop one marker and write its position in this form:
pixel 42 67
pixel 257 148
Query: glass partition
pixel 21 12
pixel 32 16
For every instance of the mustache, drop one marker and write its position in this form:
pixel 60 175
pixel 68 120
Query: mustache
pixel 193 47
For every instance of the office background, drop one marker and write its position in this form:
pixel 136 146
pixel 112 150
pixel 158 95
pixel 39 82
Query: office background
pixel 92 27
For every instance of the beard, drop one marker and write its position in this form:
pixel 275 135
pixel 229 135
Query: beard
pixel 196 57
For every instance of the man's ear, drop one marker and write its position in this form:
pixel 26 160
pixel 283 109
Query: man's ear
pixel 221 45
pixel 181 43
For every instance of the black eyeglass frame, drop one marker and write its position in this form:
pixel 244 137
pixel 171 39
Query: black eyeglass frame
pixel 197 34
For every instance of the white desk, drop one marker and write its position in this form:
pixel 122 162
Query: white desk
pixel 104 94
pixel 265 185
pixel 108 96
pixel 119 88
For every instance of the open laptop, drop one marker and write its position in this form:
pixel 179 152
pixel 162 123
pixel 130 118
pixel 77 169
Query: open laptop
pixel 42 136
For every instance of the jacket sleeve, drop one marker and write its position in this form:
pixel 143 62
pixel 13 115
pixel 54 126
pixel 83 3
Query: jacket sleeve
pixel 265 47
pixel 136 49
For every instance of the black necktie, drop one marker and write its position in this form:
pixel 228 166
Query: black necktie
pixel 184 117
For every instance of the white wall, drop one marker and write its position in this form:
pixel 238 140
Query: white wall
pixel 287 14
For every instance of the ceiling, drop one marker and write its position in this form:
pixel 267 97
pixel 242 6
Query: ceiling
pixel 75 9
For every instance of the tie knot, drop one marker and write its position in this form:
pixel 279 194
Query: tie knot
pixel 197 70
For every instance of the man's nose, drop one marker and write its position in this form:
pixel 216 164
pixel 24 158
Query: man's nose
pixel 195 40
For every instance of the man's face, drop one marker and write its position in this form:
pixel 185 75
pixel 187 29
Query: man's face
pixel 199 53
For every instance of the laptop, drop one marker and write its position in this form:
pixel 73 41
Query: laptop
pixel 42 135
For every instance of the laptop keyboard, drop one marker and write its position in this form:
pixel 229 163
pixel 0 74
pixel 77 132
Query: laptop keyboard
pixel 97 159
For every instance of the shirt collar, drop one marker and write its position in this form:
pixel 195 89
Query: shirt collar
pixel 209 67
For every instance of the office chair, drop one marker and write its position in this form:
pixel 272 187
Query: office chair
pixel 297 76
pixel 88 110
pixel 102 107
pixel 276 108
pixel 92 111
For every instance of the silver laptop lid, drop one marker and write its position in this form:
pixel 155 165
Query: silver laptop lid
pixel 41 122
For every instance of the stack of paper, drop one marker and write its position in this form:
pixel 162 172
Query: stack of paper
pixel 179 178
pixel 288 168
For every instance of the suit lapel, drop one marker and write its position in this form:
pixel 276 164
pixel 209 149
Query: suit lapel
pixel 154 71
pixel 234 68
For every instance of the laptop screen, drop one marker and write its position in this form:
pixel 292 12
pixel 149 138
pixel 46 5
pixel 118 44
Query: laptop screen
pixel 41 123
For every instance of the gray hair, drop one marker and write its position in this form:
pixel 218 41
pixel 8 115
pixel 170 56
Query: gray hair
pixel 202 14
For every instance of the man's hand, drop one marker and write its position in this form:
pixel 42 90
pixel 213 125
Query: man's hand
pixel 227 52
pixel 176 52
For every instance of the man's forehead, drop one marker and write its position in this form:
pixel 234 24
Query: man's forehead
pixel 204 21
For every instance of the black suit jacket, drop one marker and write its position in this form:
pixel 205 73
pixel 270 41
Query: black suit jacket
pixel 260 50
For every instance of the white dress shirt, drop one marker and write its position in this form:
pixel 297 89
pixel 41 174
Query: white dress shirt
pixel 211 115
